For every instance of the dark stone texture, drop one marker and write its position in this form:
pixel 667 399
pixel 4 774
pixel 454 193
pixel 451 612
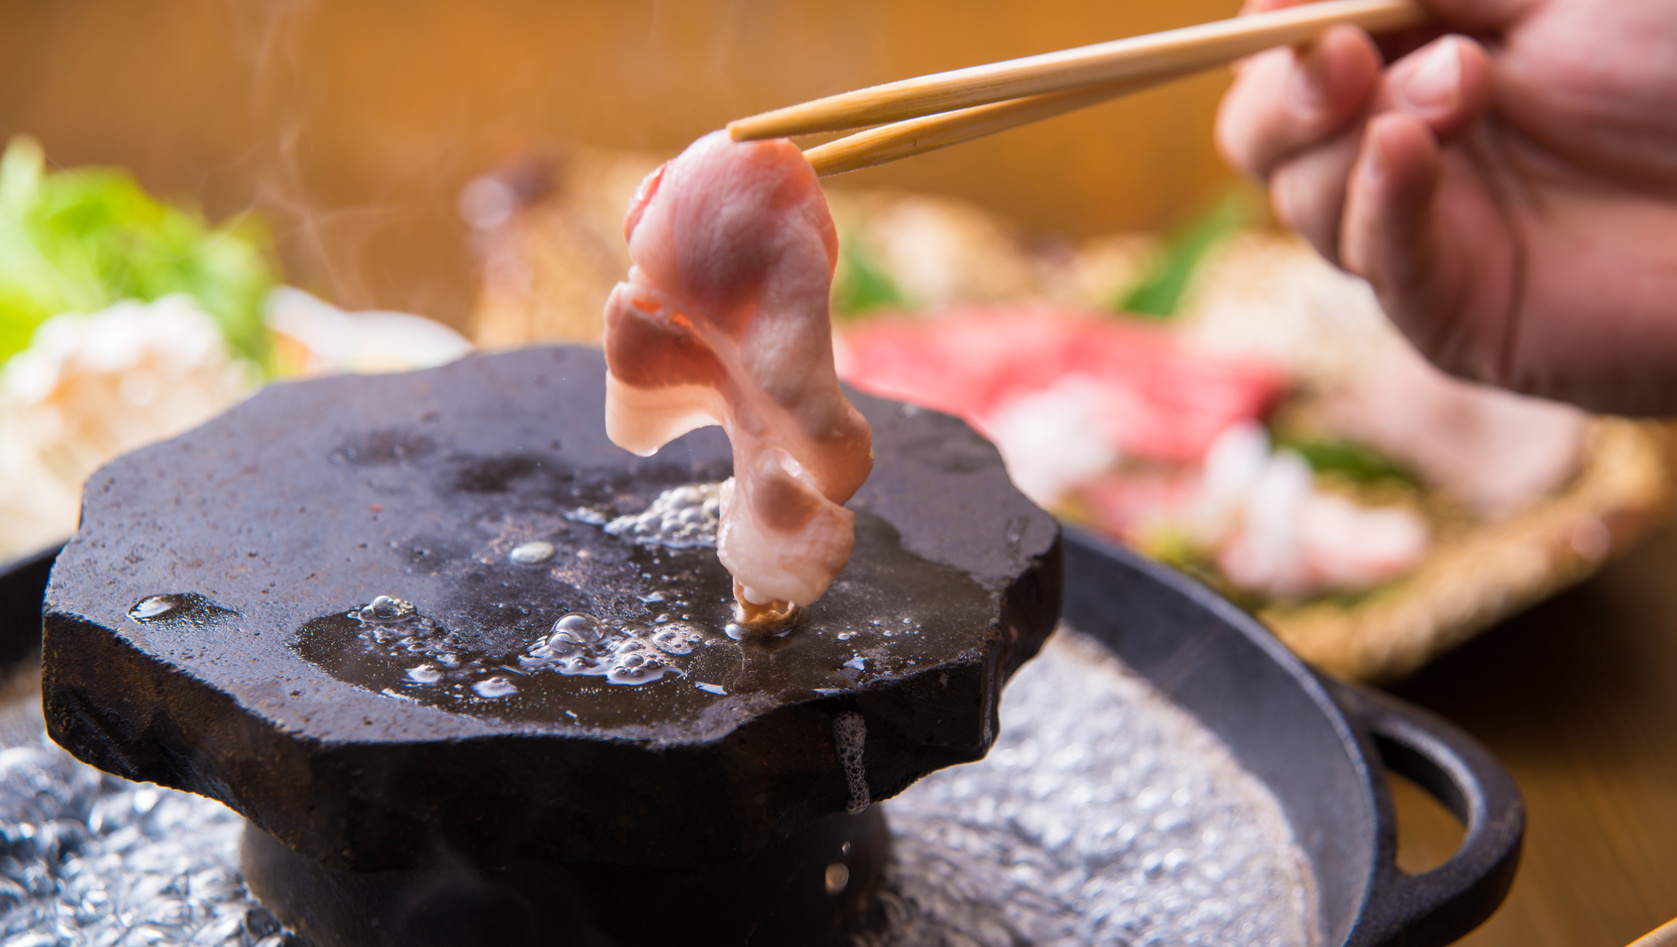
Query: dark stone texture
pixel 198 630
pixel 781 896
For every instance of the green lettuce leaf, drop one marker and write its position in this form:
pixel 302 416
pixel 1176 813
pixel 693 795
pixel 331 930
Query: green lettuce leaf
pixel 1357 463
pixel 82 239
pixel 860 283
pixel 1158 292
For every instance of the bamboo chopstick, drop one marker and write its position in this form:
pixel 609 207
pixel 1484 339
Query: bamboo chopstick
pixel 929 133
pixel 1173 53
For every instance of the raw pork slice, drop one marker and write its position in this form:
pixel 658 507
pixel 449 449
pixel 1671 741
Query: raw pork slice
pixel 723 320
pixel 1155 396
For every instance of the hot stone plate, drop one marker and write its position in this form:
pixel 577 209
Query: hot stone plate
pixel 388 616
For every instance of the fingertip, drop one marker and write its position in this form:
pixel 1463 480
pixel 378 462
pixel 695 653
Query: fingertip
pixel 1446 83
pixel 1348 66
pixel 1248 118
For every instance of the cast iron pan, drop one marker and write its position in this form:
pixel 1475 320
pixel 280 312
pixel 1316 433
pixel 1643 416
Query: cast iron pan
pixel 1323 747
pixel 23 586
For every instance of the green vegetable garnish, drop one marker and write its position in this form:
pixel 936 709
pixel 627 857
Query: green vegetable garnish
pixel 860 283
pixel 1158 292
pixel 80 240
pixel 1355 462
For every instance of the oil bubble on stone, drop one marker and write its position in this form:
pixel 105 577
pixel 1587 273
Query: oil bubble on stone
pixel 391 646
pixel 681 517
pixel 532 553
pixel 676 640
pixel 154 607
pixel 173 607
pixel 495 687
pixel 385 609
pixel 622 652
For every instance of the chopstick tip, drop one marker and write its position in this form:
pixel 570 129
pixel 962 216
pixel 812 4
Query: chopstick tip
pixel 744 129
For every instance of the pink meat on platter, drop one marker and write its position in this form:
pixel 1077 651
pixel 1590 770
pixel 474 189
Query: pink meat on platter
pixel 724 320
pixel 1157 397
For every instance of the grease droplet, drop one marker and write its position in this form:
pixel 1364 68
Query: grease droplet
pixel 495 687
pixel 385 608
pixel 174 607
pixel 424 674
pixel 153 607
pixel 533 553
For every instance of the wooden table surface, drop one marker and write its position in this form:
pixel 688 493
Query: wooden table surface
pixel 352 126
pixel 1578 698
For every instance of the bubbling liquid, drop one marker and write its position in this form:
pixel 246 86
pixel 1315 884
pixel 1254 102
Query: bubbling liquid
pixel 402 652
pixel 681 517
pixel 621 652
pixel 1104 814
pixel 171 608
pixel 623 630
pixel 850 735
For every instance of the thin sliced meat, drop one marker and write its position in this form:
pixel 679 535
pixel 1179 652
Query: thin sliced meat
pixel 1157 397
pixel 724 320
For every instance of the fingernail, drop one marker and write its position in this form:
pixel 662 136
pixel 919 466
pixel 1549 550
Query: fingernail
pixel 1436 84
pixel 1308 89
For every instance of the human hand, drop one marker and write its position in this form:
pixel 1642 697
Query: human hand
pixel 1508 188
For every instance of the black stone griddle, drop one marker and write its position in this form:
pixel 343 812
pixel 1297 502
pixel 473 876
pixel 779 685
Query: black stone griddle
pixel 243 611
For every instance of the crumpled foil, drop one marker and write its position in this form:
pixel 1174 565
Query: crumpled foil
pixel 1104 815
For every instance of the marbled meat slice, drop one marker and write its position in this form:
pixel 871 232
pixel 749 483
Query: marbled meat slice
pixel 724 320
pixel 1156 396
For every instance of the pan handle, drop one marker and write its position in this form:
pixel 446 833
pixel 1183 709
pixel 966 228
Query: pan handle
pixel 1441 905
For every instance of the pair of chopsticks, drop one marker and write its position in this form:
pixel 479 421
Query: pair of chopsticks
pixel 947 108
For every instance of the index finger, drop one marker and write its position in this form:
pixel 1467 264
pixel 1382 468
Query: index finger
pixel 1285 102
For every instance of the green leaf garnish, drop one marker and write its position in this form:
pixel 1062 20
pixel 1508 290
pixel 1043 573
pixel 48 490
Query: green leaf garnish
pixel 1159 291
pixel 1357 463
pixel 83 239
pixel 860 283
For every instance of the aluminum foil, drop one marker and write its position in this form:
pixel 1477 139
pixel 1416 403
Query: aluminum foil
pixel 1104 815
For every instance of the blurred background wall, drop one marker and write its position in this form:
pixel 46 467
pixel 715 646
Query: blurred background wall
pixel 352 125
